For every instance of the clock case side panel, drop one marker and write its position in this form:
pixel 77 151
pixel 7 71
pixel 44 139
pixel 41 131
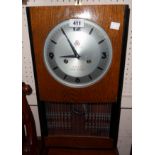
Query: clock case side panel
pixel 41 105
pixel 114 127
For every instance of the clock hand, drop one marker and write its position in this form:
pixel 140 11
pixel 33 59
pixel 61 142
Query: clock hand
pixel 73 49
pixel 68 56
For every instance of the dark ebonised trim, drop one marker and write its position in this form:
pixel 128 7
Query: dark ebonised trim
pixel 41 106
pixel 114 129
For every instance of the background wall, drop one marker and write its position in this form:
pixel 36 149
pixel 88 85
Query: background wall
pixel 125 127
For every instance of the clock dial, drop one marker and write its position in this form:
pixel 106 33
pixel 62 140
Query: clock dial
pixel 77 56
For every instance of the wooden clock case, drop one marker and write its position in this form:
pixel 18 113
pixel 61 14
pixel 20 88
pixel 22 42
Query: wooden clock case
pixel 107 91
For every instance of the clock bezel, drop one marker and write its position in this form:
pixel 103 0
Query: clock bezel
pixel 78 85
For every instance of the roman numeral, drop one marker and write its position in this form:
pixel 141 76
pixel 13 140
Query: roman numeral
pixel 53 41
pixel 91 31
pixel 101 41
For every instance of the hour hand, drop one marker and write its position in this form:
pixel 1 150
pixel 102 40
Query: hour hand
pixel 68 56
pixel 72 47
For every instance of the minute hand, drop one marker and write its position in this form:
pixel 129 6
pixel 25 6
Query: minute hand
pixel 73 49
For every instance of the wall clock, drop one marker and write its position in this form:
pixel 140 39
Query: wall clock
pixel 77 52
pixel 78 58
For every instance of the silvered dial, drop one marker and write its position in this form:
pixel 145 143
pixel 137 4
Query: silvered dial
pixel 77 56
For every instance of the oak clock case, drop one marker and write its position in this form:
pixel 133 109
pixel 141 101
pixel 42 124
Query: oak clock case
pixel 45 20
pixel 79 108
pixel 77 55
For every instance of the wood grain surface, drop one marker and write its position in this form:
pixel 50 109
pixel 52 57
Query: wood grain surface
pixel 43 19
pixel 81 152
pixel 88 142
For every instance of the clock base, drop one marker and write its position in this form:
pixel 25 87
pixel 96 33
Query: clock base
pixel 61 151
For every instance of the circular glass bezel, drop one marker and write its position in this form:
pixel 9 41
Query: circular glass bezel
pixel 69 83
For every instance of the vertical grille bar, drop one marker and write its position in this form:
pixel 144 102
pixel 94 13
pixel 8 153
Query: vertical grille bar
pixel 78 119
